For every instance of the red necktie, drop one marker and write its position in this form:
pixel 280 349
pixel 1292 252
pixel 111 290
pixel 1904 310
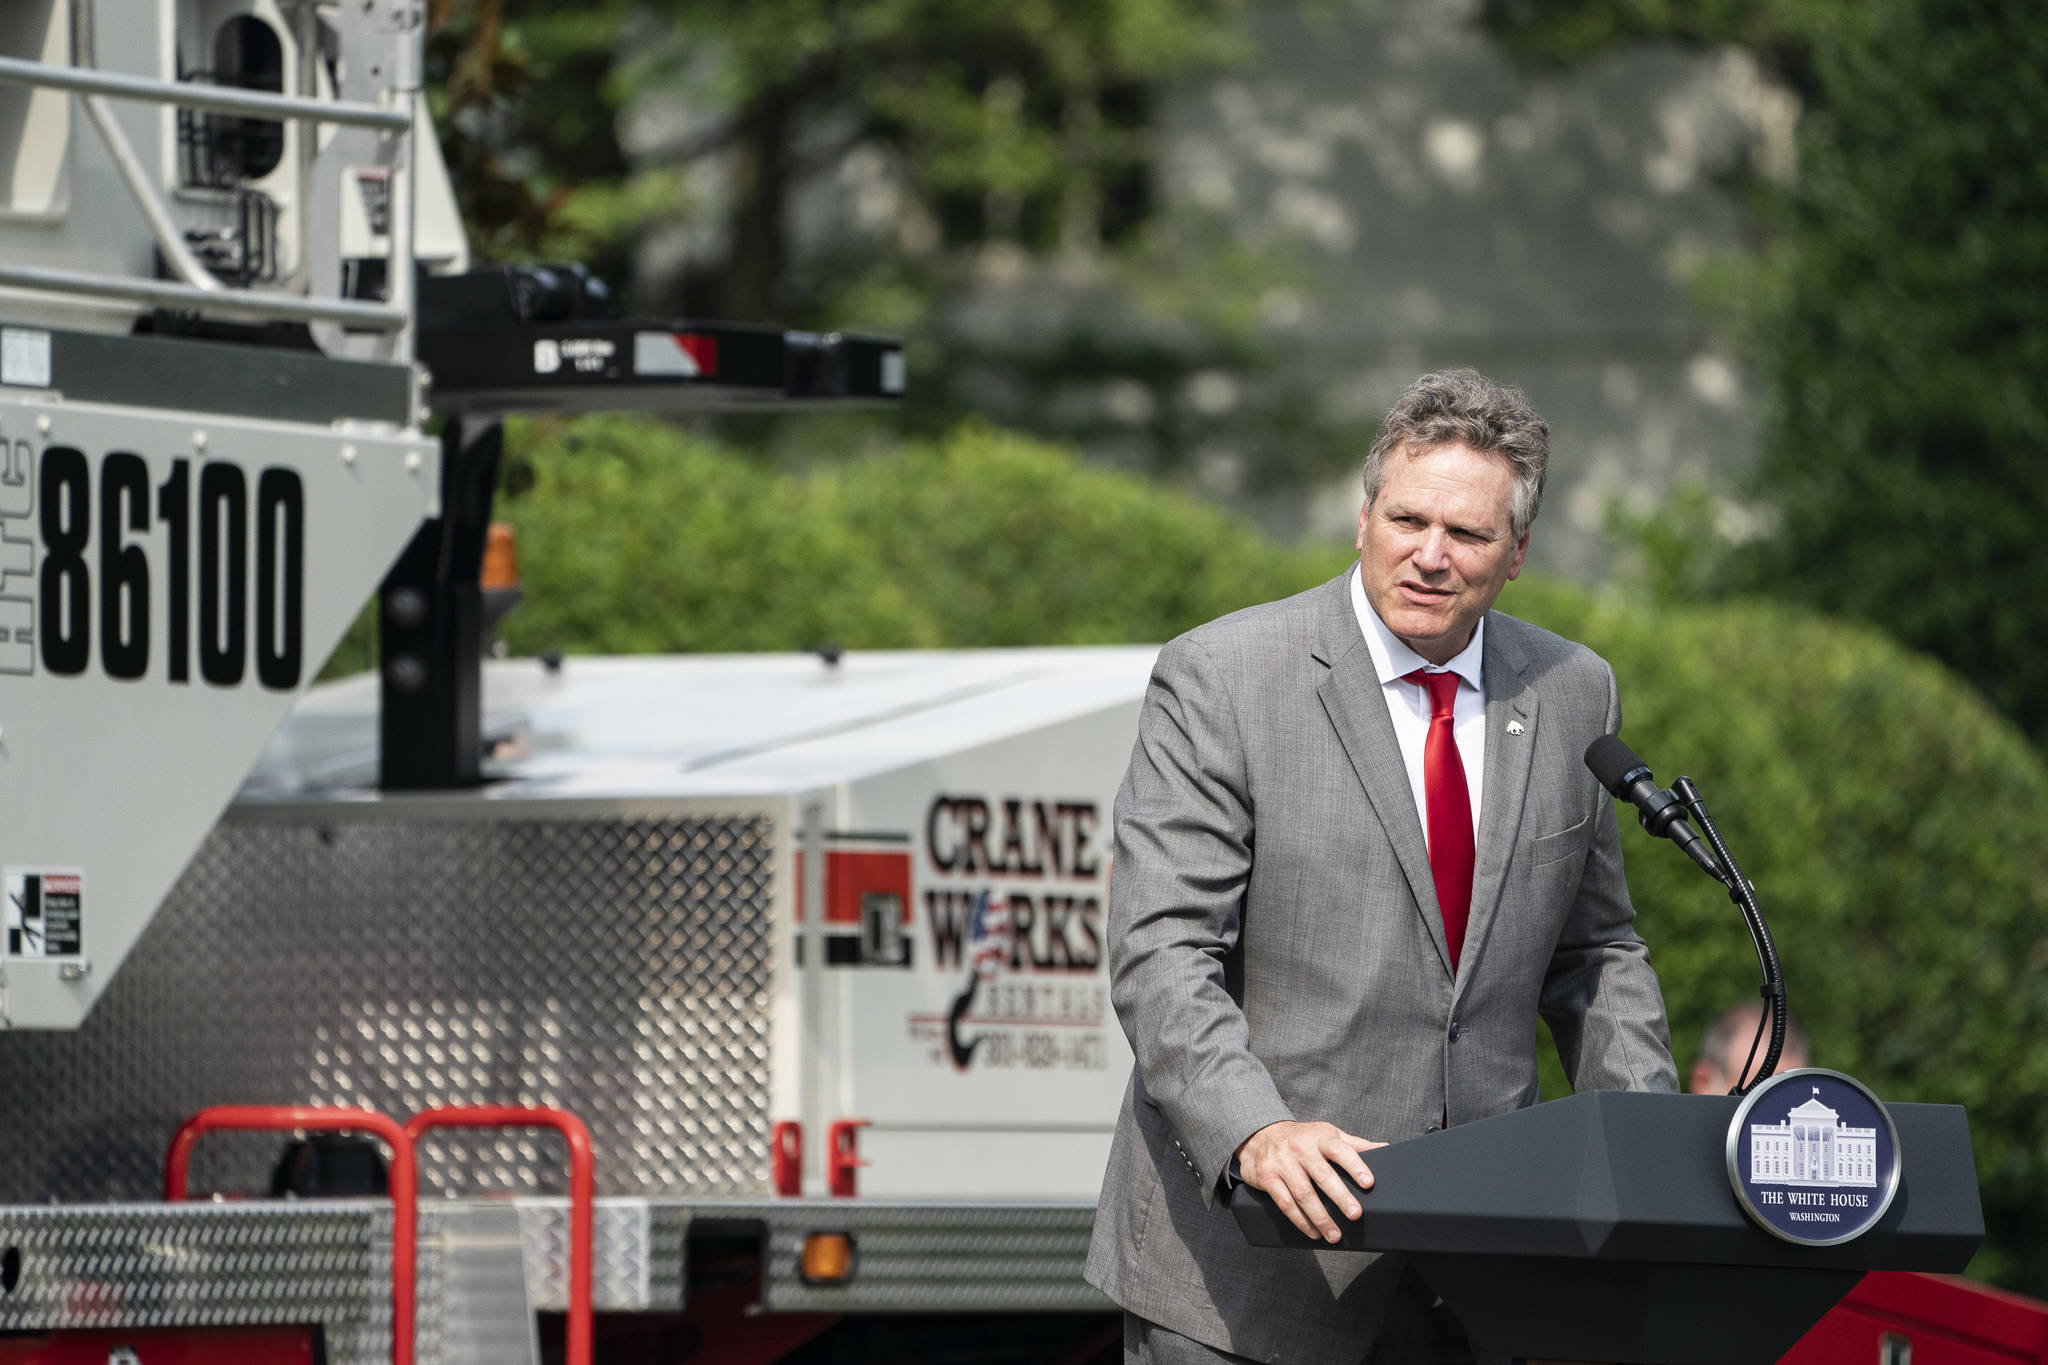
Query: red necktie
pixel 1449 802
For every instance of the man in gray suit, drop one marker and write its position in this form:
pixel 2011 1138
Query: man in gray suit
pixel 1357 855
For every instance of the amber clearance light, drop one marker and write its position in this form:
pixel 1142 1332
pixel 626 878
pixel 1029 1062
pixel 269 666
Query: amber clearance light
pixel 501 558
pixel 827 1258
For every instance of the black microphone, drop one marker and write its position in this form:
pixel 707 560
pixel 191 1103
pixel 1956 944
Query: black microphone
pixel 1662 814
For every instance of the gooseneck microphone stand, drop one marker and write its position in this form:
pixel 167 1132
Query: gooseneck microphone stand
pixel 1744 895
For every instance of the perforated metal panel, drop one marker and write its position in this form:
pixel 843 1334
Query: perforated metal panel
pixel 616 968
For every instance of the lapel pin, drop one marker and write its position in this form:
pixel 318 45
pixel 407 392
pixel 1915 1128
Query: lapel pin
pixel 1514 727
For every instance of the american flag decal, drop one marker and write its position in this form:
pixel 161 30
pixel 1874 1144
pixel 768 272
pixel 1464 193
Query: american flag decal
pixel 988 935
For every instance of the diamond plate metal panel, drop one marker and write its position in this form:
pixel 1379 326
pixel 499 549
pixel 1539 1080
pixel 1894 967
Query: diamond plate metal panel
pixel 937 1258
pixel 637 1250
pixel 617 968
pixel 209 1265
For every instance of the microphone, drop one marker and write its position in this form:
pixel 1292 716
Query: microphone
pixel 1661 813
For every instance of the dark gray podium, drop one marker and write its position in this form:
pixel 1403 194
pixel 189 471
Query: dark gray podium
pixel 1602 1228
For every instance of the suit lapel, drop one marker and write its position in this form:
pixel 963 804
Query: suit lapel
pixel 1505 788
pixel 1357 709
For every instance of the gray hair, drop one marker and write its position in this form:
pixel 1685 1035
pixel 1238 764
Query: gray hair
pixel 1464 407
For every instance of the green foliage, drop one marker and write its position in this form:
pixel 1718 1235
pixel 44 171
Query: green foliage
pixel 1012 121
pixel 978 179
pixel 1895 313
pixel 357 651
pixel 1850 777
pixel 1782 32
pixel 1678 548
pixel 1903 324
pixel 635 536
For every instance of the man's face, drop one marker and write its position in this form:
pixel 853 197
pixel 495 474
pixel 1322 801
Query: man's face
pixel 1437 545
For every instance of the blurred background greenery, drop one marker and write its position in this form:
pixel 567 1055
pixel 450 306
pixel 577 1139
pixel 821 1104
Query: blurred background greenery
pixel 1136 401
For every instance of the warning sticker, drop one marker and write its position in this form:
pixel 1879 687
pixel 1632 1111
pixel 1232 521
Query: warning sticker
pixel 44 918
pixel 25 357
pixel 688 355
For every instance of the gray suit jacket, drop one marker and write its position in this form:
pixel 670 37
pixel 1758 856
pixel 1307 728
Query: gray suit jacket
pixel 1276 950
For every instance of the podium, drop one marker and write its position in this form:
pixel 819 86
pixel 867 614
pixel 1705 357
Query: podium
pixel 1602 1227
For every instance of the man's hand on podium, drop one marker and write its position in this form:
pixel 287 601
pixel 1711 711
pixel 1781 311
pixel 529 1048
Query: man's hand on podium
pixel 1289 1161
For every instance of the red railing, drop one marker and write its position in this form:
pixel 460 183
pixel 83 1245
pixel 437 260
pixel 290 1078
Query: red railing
pixel 582 1192
pixel 289 1118
pixel 842 1156
pixel 786 1158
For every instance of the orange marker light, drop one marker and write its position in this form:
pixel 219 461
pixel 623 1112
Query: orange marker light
pixel 827 1258
pixel 501 558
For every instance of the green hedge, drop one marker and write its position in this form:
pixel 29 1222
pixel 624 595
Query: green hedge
pixel 1893 824
pixel 635 536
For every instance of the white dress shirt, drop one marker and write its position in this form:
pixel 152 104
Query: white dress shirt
pixel 1408 703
